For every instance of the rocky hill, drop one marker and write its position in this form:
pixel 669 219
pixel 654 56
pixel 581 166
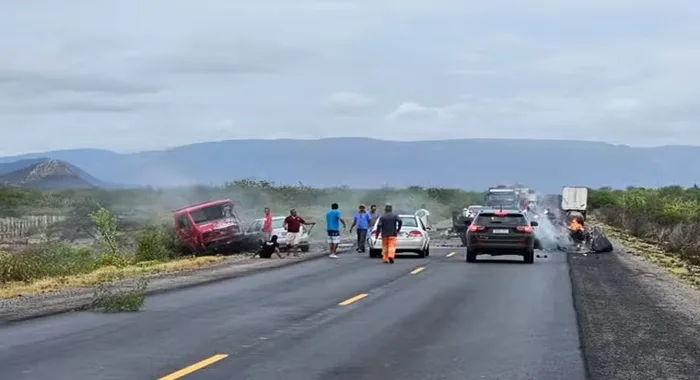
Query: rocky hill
pixel 45 174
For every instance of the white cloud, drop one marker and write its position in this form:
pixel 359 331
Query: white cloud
pixel 345 102
pixel 410 111
pixel 619 70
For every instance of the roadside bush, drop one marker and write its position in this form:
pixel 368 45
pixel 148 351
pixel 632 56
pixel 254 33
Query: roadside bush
pixel 112 260
pixel 668 216
pixel 45 260
pixel 171 242
pixel 106 225
pixel 151 245
pixel 116 298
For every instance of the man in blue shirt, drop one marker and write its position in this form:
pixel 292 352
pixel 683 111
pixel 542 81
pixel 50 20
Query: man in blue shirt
pixel 361 220
pixel 333 222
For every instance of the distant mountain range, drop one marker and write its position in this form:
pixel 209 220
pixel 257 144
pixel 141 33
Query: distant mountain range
pixel 367 163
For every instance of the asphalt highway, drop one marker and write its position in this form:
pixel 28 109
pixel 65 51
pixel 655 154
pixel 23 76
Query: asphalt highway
pixel 351 318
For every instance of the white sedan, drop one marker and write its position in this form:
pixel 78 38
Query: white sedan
pixel 413 237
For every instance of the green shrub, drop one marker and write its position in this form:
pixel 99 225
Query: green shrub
pixel 151 245
pixel 116 298
pixel 112 260
pixel 45 260
pixel 106 225
pixel 669 216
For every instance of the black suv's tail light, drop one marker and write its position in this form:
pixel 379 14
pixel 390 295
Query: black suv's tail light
pixel 525 229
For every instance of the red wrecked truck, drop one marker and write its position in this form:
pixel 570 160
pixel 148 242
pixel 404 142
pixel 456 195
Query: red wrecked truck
pixel 209 226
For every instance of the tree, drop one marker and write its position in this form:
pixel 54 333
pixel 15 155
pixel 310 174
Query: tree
pixel 106 225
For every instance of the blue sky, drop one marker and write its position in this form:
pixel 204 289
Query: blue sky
pixel 135 75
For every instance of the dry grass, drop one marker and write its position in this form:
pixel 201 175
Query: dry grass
pixel 106 274
pixel 656 255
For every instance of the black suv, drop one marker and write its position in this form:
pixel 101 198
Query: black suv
pixel 500 232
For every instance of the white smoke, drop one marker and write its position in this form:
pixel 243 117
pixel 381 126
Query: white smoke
pixel 548 234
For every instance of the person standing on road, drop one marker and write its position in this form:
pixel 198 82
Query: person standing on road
pixel 373 216
pixel 292 224
pixel 388 228
pixel 267 224
pixel 333 222
pixel 361 220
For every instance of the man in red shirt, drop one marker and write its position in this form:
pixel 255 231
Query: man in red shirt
pixel 292 224
pixel 267 224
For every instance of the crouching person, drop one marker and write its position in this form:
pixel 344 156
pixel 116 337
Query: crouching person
pixel 268 248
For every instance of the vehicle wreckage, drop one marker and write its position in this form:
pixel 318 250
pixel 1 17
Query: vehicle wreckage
pixel 574 203
pixel 211 226
pixel 585 240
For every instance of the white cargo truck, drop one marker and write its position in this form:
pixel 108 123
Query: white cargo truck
pixel 574 200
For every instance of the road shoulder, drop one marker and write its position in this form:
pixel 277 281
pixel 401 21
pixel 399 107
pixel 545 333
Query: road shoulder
pixel 637 321
pixel 67 300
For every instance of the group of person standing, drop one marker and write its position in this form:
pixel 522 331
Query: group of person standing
pixel 388 227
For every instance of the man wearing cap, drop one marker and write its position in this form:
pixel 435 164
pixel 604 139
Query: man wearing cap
pixel 388 228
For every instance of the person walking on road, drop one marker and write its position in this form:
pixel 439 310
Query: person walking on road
pixel 361 221
pixel 333 222
pixel 267 224
pixel 292 224
pixel 388 228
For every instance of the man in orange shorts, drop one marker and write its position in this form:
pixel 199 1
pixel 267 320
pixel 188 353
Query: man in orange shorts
pixel 388 228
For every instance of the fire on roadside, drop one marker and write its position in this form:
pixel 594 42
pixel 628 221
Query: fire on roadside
pixel 574 225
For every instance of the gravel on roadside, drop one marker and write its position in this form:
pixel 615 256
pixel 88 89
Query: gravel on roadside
pixel 636 320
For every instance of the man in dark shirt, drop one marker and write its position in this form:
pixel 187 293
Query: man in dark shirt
pixel 268 248
pixel 292 224
pixel 388 229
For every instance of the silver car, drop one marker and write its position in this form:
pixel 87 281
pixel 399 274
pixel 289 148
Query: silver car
pixel 255 228
pixel 413 237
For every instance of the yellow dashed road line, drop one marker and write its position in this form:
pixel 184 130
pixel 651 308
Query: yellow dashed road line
pixel 353 299
pixel 450 254
pixel 194 367
pixel 417 270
